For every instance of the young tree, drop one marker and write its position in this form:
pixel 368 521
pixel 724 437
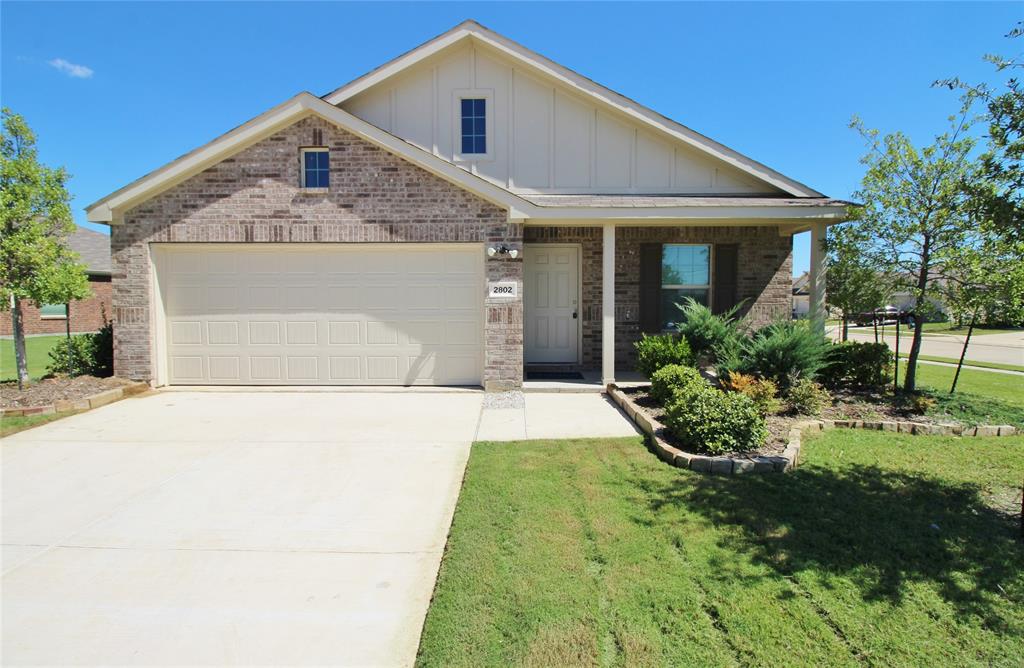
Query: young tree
pixel 35 221
pixel 915 213
pixel 853 285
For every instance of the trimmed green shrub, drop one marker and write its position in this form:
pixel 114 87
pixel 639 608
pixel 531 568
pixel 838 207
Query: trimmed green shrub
pixel 674 378
pixel 807 397
pixel 71 356
pixel 857 364
pixel 91 354
pixel 660 350
pixel 763 392
pixel 710 336
pixel 715 422
pixel 782 351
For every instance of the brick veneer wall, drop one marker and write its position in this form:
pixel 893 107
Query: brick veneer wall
pixel 254 197
pixel 764 281
pixel 87 315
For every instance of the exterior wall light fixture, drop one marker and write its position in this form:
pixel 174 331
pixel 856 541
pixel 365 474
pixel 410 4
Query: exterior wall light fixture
pixel 502 250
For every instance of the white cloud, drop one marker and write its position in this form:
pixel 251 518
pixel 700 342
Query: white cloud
pixel 71 69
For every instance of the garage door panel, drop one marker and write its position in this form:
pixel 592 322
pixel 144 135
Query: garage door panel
pixel 322 313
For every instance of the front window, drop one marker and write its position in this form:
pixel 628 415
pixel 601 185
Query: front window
pixel 474 126
pixel 685 272
pixel 316 168
pixel 54 311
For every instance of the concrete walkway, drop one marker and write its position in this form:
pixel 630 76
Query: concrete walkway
pixel 226 527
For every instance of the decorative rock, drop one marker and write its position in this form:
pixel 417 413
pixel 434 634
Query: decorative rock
pixel 987 430
pixel 906 427
pixel 135 388
pixel 889 426
pixel 682 460
pixel 700 463
pixel 842 423
pixel 740 466
pixel 721 465
pixel 970 431
pixel 1007 430
pixel 873 424
pixel 763 465
pixel 104 398
pixel 828 424
pixel 778 463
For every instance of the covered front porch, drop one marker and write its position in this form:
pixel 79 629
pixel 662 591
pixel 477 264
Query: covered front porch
pixel 591 289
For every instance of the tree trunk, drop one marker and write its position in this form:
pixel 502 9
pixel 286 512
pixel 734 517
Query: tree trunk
pixel 846 327
pixel 18 328
pixel 910 381
pixel 67 333
pixel 963 353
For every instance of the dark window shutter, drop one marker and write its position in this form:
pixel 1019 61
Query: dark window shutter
pixel 725 277
pixel 650 288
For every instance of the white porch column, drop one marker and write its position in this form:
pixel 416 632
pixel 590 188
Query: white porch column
pixel 608 306
pixel 816 283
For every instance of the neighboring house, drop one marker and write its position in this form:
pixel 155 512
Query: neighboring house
pixel 802 295
pixel 85 315
pixel 456 214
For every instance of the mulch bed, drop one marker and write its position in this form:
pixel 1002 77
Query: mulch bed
pixel 846 405
pixel 45 392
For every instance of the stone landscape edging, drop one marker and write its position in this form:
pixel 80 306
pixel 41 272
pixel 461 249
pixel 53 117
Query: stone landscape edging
pixel 85 403
pixel 790 457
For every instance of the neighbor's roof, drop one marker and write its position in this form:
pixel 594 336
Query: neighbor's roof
pixel 94 249
pixel 585 86
pixel 801 284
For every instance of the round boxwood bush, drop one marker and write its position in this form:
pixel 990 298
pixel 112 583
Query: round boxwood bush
pixel 668 380
pixel 715 422
pixel 656 352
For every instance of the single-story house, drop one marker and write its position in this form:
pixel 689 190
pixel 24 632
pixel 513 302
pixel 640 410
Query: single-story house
pixel 84 315
pixel 802 295
pixel 462 212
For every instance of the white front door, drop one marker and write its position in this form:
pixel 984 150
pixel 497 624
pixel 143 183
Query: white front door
pixel 551 303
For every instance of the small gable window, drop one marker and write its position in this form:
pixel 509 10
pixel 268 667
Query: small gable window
pixel 316 168
pixel 474 126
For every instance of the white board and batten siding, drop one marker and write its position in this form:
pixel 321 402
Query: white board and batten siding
pixel 320 314
pixel 543 137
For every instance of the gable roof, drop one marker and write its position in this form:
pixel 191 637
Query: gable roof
pixel 471 30
pixel 108 209
pixel 93 248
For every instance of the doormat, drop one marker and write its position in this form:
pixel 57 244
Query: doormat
pixel 554 375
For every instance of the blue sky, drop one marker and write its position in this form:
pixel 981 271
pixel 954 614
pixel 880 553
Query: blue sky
pixel 115 90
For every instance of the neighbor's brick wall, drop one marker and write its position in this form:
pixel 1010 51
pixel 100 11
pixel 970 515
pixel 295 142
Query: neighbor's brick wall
pixel 87 315
pixel 765 276
pixel 253 197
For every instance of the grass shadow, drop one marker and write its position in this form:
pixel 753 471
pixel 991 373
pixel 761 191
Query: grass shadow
pixel 882 530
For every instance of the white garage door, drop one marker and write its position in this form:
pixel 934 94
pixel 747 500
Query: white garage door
pixel 321 314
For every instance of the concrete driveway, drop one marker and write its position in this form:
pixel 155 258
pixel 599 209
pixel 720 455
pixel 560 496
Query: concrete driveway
pixel 242 527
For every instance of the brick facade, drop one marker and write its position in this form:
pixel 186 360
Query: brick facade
pixel 254 197
pixel 764 281
pixel 87 315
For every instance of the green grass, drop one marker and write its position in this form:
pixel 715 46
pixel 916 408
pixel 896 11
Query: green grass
pixel 37 350
pixel 1004 387
pixel 12 425
pixel 967 363
pixel 951 328
pixel 882 549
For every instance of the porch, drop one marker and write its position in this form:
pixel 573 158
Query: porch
pixel 591 291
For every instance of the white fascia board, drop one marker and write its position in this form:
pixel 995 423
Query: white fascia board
pixel 582 85
pixel 673 215
pixel 107 210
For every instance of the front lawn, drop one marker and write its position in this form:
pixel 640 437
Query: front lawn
pixel 951 328
pixel 1005 387
pixel 882 549
pixel 37 350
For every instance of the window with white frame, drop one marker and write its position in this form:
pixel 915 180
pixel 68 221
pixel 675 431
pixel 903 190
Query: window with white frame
pixel 473 116
pixel 685 272
pixel 316 168
pixel 53 311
